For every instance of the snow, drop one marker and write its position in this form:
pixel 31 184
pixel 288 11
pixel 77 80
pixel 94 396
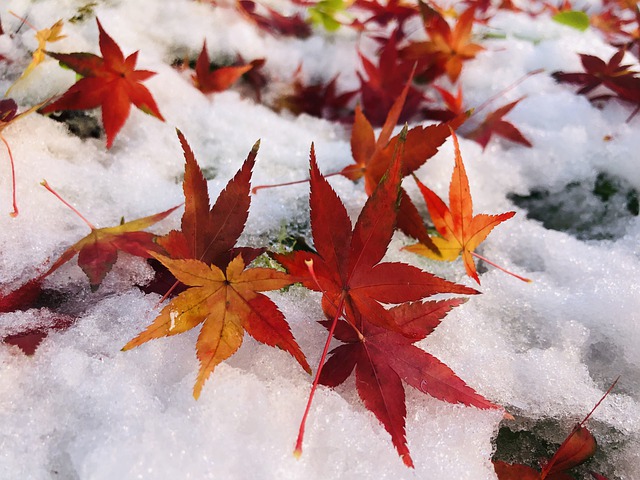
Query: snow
pixel 80 408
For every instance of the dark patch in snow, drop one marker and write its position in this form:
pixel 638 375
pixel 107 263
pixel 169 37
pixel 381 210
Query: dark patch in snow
pixel 589 210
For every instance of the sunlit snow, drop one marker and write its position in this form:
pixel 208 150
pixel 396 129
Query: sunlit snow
pixel 82 409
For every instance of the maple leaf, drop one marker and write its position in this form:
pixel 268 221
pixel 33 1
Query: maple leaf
pixel 110 82
pixel 23 297
pixel 44 36
pixel 446 49
pixel 223 294
pixel 494 124
pixel 373 157
pixel 29 339
pixel 460 231
pixel 274 22
pixel 615 76
pixel 8 115
pixel 320 100
pixel 98 251
pixel 577 448
pixel 454 105
pixel 385 83
pixel 347 269
pixel 382 359
pixel 327 13
pixel 227 303
pixel 347 265
pixel 209 233
pixel 383 14
pixel 210 81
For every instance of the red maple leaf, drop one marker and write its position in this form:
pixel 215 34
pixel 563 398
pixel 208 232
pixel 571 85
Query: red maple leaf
pixel 577 448
pixel 385 13
pixel 272 21
pixel 617 77
pixel 373 157
pixel 347 268
pixel 454 105
pixel 320 99
pixel 110 82
pixel 209 80
pixel 97 253
pixel 384 84
pixel 494 124
pixel 223 295
pixel 209 234
pixel 383 359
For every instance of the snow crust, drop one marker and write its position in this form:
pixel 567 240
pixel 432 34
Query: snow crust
pixel 80 408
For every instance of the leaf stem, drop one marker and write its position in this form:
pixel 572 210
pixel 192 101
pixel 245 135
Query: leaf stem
pixel 506 89
pixel 297 452
pixel 14 213
pixel 254 190
pixel 484 259
pixel 57 195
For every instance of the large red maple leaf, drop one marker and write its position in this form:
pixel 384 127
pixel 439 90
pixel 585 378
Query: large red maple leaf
pixel 110 82
pixel 355 283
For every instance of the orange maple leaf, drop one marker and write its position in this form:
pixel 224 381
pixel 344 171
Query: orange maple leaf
pixel 227 303
pixel 460 231
pixel 447 48
pixel 110 82
pixel 43 36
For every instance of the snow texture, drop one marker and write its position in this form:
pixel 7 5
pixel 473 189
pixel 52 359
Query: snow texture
pixel 82 409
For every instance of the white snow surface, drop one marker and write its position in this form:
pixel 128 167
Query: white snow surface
pixel 82 409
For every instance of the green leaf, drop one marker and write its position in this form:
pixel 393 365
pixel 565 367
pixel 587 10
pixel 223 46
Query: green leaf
pixel 324 13
pixel 573 18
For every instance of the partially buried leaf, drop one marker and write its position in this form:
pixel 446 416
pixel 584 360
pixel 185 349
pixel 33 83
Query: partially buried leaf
pixel 508 471
pixel 273 21
pixel 494 124
pixel 209 80
pixel 98 251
